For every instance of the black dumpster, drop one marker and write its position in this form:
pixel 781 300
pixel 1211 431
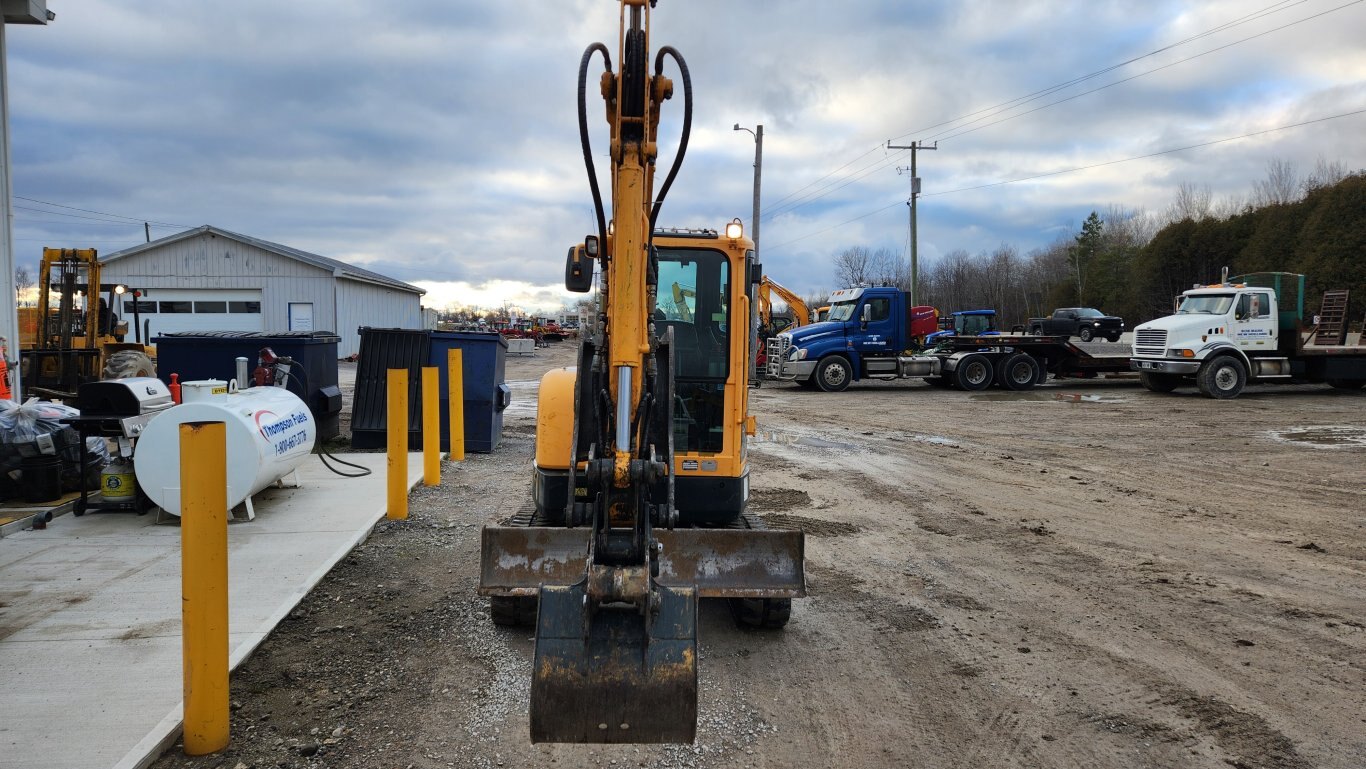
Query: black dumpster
pixel 195 355
pixel 486 394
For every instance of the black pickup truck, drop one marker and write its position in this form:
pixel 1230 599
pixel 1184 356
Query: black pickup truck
pixel 1085 323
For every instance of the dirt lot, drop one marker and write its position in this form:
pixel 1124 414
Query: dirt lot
pixel 1086 575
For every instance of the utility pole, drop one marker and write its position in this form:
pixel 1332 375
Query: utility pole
pixel 754 225
pixel 914 147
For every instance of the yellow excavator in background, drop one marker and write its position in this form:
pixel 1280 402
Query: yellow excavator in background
pixel 641 474
pixel 79 340
pixel 801 316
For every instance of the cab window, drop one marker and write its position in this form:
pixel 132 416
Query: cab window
pixel 880 308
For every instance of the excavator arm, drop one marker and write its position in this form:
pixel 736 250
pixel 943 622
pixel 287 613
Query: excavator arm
pixel 616 651
pixel 768 287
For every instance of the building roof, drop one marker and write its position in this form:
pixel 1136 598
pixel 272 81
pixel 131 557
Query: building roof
pixel 338 268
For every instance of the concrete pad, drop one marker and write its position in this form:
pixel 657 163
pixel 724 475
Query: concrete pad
pixel 90 644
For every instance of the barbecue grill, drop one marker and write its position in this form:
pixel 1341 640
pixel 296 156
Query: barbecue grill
pixel 118 409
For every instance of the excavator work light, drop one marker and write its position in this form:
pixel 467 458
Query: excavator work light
pixel 735 229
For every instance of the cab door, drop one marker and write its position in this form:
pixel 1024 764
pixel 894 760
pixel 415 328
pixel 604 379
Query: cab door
pixel 878 335
pixel 1254 321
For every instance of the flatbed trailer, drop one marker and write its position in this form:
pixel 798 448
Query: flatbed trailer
pixel 1009 361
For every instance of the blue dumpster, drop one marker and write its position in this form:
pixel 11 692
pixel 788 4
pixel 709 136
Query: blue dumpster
pixel 484 357
pixel 195 355
pixel 486 395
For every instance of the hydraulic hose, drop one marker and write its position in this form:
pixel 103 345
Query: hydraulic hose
pixel 687 124
pixel 583 138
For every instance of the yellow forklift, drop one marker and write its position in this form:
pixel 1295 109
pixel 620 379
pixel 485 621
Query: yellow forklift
pixel 73 336
pixel 641 476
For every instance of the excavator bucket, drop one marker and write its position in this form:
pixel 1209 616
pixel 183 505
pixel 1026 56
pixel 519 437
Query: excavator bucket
pixel 611 674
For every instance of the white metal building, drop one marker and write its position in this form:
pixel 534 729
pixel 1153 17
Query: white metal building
pixel 207 279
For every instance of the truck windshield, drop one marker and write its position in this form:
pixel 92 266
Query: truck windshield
pixel 1205 304
pixel 842 311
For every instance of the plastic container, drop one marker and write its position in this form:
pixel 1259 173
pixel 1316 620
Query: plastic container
pixel 202 390
pixel 213 355
pixel 269 430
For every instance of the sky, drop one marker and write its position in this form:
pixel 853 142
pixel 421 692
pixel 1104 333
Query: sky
pixel 436 141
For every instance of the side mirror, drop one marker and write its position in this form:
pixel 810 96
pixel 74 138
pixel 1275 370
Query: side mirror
pixel 590 246
pixel 866 314
pixel 578 269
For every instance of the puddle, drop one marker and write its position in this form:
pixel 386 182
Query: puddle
pixel 1030 395
pixel 1323 436
pixel 524 393
pixel 774 436
pixel 933 440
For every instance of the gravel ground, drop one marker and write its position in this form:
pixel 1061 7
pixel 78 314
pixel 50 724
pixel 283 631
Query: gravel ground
pixel 1082 575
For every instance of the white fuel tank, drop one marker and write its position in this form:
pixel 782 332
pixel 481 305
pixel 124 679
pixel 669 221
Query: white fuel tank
pixel 269 433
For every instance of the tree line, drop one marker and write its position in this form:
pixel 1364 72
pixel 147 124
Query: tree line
pixel 1131 262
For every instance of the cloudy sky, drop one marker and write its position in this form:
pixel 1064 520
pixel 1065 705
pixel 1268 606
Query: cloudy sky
pixel 436 141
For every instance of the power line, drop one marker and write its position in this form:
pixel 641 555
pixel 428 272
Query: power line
pixel 1135 77
pixel 1073 170
pixel 134 219
pixel 1010 104
pixel 819 192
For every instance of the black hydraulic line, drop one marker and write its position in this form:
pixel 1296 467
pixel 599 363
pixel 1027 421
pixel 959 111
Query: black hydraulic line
pixel 687 124
pixel 583 138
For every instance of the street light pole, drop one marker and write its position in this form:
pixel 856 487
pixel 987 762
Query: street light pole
pixel 32 12
pixel 758 134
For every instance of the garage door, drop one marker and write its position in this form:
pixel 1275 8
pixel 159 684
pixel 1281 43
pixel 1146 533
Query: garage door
pixel 167 311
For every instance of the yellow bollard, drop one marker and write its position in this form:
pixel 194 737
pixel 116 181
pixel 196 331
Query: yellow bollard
pixel 431 426
pixel 455 396
pixel 398 443
pixel 204 584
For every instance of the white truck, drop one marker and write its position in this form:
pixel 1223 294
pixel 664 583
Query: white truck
pixel 1248 330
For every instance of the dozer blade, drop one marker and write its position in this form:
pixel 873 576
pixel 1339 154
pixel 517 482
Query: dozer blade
pixel 614 676
pixel 720 563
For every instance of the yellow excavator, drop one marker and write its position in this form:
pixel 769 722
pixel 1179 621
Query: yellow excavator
pixel 801 316
pixel 641 475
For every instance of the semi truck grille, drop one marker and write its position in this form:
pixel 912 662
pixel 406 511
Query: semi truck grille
pixel 1150 342
pixel 778 348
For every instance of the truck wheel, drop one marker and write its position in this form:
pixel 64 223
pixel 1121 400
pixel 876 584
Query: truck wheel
pixel 1346 384
pixel 126 364
pixel 1222 377
pixel 1114 337
pixel 973 373
pixel 1036 331
pixel 1086 334
pixel 833 374
pixel 1159 383
pixel 512 610
pixel 765 613
pixel 1017 372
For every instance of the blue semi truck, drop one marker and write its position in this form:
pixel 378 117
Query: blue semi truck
pixel 875 333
